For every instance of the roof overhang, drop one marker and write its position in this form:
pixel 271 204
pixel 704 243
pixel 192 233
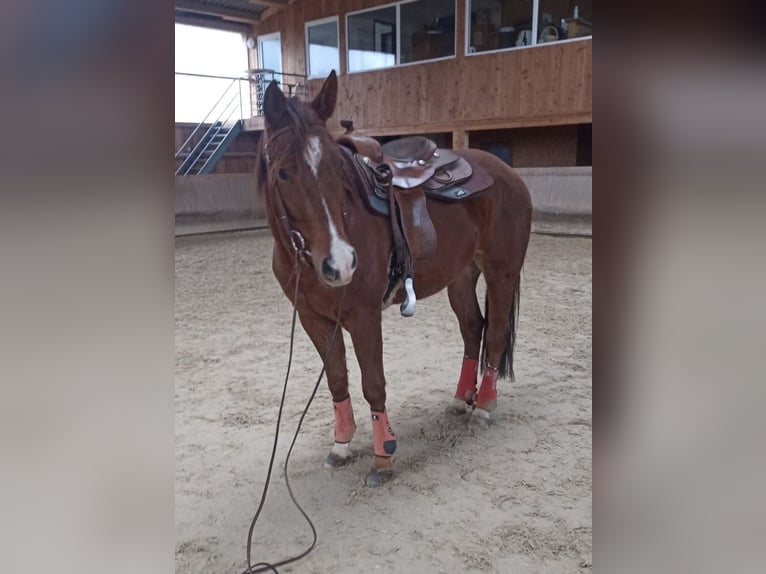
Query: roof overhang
pixel 226 14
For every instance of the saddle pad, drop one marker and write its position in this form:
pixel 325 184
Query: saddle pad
pixel 362 177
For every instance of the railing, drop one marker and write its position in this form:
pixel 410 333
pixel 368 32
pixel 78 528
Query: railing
pixel 228 107
pixel 291 84
pixel 235 101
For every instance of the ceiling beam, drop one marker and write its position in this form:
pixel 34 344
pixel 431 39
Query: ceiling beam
pixel 271 11
pixel 227 13
pixel 204 21
pixel 268 2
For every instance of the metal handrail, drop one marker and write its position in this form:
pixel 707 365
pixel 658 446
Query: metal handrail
pixel 223 95
pixel 211 76
pixel 260 76
pixel 223 119
pixel 223 122
pixel 298 88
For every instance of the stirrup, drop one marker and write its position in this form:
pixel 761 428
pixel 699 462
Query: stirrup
pixel 408 305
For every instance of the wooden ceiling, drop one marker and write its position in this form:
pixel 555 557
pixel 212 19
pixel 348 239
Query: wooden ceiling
pixel 234 14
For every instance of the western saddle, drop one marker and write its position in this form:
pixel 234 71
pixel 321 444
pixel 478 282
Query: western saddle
pixel 394 180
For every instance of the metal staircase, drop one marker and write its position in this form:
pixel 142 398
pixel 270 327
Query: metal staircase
pixel 224 122
pixel 209 150
pixel 221 131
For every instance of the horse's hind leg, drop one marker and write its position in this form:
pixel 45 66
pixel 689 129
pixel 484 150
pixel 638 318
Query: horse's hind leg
pixel 320 330
pixel 462 298
pixel 499 336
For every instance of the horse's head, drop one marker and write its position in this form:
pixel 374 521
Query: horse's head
pixel 303 171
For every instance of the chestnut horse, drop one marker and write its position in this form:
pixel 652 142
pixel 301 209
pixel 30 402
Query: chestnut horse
pixel 318 216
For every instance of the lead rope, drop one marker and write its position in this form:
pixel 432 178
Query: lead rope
pixel 266 566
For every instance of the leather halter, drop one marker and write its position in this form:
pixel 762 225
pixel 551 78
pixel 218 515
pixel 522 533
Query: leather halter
pixel 302 252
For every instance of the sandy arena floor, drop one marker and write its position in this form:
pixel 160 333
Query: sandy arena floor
pixel 513 498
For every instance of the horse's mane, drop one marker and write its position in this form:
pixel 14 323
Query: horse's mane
pixel 295 124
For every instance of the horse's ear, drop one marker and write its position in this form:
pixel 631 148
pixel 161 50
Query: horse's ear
pixel 274 105
pixel 324 102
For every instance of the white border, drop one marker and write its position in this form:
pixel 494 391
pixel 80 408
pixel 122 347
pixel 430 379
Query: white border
pixel 306 40
pixel 398 35
pixel 532 47
pixel 536 10
pixel 398 38
pixel 271 36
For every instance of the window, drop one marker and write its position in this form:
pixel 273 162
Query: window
pixel 402 33
pixel 270 52
pixel 500 150
pixel 428 30
pixel 371 39
pixel 199 54
pixel 559 20
pixel 501 24
pixel 322 52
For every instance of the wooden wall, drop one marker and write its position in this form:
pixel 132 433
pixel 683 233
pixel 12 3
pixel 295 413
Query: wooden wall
pixel 549 146
pixel 545 85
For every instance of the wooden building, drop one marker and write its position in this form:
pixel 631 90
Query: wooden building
pixel 509 76
pixel 532 105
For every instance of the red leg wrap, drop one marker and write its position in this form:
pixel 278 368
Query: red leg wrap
pixel 382 435
pixel 466 387
pixel 344 421
pixel 487 398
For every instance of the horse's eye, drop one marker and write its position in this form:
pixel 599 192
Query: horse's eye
pixel 282 175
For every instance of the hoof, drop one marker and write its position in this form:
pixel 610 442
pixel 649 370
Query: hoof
pixel 339 456
pixel 335 461
pixel 479 419
pixel 488 405
pixel 381 472
pixel 377 477
pixel 457 407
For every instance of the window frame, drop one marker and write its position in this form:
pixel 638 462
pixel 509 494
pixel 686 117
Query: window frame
pixel 398 56
pixel 267 37
pixel 535 24
pixel 319 22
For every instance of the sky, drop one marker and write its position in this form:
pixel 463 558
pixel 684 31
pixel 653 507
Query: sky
pixel 206 51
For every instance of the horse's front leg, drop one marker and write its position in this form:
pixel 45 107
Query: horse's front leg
pixel 367 336
pixel 320 330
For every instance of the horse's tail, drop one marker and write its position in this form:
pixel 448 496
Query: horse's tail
pixel 505 368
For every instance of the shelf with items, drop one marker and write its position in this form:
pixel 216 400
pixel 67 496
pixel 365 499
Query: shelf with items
pixel 578 27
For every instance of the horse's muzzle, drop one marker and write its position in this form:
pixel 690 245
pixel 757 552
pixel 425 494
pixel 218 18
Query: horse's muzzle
pixel 336 273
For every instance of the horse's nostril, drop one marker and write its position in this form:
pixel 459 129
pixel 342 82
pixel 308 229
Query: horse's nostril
pixel 329 271
pixel 353 261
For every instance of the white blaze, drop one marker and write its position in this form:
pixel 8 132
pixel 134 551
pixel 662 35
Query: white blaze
pixel 313 154
pixel 341 253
